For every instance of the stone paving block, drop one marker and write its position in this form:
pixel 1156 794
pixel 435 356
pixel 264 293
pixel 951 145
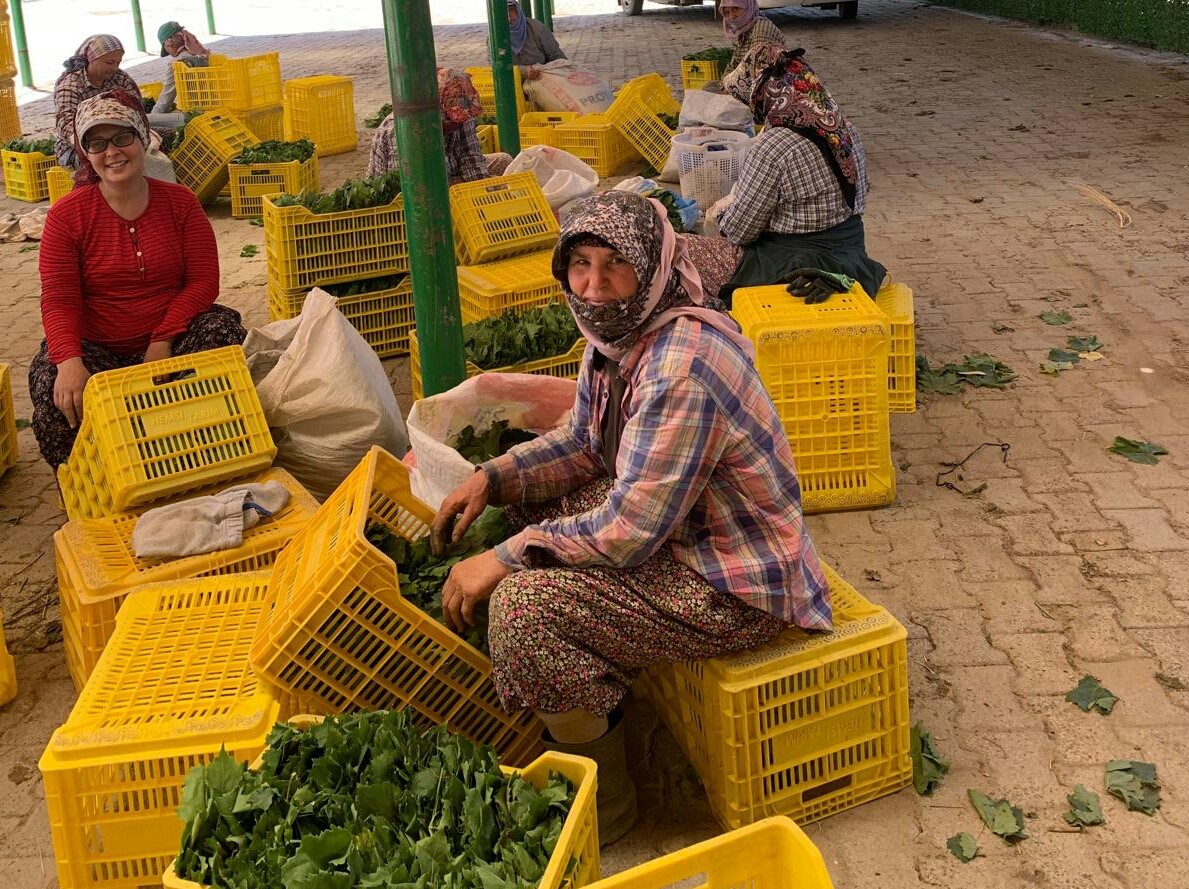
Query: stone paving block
pixel 1148 529
pixel 1041 662
pixel 1012 607
pixel 1143 601
pixel 985 560
pixel 1115 563
pixel 834 838
pixel 1079 739
pixel 1074 511
pixel 1062 861
pixel 988 701
pixel 1032 534
pixel 21 789
pixel 1143 702
pixel 1047 476
pixel 1149 867
pixel 958 638
pixel 931 586
pixel 1171 649
pixel 1096 541
pixel 1009 497
pixel 1095 634
pixel 1116 490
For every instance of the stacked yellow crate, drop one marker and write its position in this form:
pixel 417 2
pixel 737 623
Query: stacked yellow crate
pixel 10 121
pixel 322 109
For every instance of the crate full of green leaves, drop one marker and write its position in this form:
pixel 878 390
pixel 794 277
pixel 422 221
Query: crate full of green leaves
pixel 370 800
pixel 25 164
pixel 356 231
pixel 269 168
pixel 703 67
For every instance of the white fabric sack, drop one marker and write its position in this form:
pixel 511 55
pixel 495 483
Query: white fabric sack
pixel 325 394
pixel 526 401
pixel 562 176
pixel 206 524
pixel 719 110
pixel 156 164
pixel 563 86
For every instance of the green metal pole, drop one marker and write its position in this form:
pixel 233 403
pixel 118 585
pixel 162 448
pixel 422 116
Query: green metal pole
pixel 501 70
pixel 138 25
pixel 546 13
pixel 18 30
pixel 412 74
pixel 210 17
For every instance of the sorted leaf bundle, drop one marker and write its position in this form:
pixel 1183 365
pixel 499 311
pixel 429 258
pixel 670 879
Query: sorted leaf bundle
pixel 276 152
pixel 1135 783
pixel 378 118
pixel 720 54
pixel 31 146
pixel 479 447
pixel 509 338
pixel 354 194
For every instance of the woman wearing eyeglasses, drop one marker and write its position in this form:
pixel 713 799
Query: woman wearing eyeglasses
pixel 129 272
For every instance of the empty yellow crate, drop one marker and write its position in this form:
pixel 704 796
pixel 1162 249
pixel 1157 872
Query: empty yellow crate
pixel 635 112
pixel 211 141
pixel 537 127
pixel 322 109
pixel 97 567
pixel 251 182
pixel 59 182
pixel 237 84
pixel 383 316
pixel 141 441
pixel 826 368
pixel 594 139
pixel 338 631
pixel 151 90
pixel 10 120
pixel 485 86
pixel 24 174
pixel 515 284
pixel 806 726
pixel 8 670
pixel 500 217
pixel 565 366
pixel 895 300
pixel 489 138
pixel 267 124
pixel 9 451
pixel 696 74
pixel 173 687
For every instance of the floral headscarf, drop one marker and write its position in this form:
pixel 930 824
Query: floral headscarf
pixel 670 286
pixel 751 9
pixel 518 31
pixel 457 97
pixel 113 106
pixel 93 47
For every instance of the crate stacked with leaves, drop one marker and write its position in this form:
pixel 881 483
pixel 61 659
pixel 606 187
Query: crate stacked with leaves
pixel 539 127
pixel 10 119
pixel 646 113
pixel 895 301
pixel 59 182
pixel 97 566
pixel 484 83
pixel 594 139
pixel 407 808
pixel 322 109
pixel 381 309
pixel 507 285
pixel 826 367
pixel 9 450
pixel 26 163
pixel 270 168
pixel 248 84
pixel 703 67
pixel 807 726
pixel 209 143
pixel 342 627
pixel 172 689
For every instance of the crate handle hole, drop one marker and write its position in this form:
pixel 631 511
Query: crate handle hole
pixel 827 788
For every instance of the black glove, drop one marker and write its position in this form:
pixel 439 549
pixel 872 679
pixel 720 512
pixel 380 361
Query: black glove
pixel 816 285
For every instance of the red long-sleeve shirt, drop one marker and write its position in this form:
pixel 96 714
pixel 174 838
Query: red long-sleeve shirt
pixel 123 284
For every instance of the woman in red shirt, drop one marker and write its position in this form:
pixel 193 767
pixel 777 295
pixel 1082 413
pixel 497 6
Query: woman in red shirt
pixel 129 272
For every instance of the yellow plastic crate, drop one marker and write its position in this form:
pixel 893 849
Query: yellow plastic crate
pixel 635 112
pixel 151 90
pixel 826 368
pixel 97 567
pixel 10 119
pixel 141 441
pixel 24 174
pixel 895 301
pixel 59 182
pixel 772 854
pixel 322 109
pixel 336 629
pixel 696 74
pixel 575 860
pixel 8 669
pixel 9 449
pixel 565 366
pixel 8 66
pixel 237 84
pixel 593 138
pixel 265 123
pixel 484 83
pixel 211 141
pixel 806 726
pixel 305 249
pixel 515 284
pixel 538 127
pixel 489 138
pixel 500 217
pixel 251 182
pixel 172 688
pixel 383 316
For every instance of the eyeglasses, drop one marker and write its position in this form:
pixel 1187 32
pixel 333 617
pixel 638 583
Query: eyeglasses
pixel 122 139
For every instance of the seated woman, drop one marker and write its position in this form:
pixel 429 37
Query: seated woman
pixel 532 43
pixel 129 272
pixel 93 69
pixel 179 45
pixel 465 160
pixel 747 29
pixel 663 522
pixel 803 185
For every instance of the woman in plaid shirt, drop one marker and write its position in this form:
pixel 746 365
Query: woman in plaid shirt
pixel 93 69
pixel 663 522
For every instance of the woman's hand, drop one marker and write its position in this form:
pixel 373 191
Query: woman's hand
pixel 529 72
pixel 159 351
pixel 68 389
pixel 466 502
pixel 470 582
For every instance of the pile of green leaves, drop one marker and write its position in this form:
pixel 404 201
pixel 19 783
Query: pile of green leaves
pixel 507 339
pixel 669 199
pixel 276 152
pixel 422 574
pixel 1135 783
pixel 975 370
pixel 368 285
pixel 354 194
pixel 479 447
pixel 378 118
pixel 720 54
pixel 31 146
pixel 368 800
pixel 672 121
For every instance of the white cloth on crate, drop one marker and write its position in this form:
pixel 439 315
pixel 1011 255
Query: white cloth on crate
pixel 206 524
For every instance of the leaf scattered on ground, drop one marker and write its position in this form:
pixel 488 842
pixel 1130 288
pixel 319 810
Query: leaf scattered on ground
pixel 29 248
pixel 962 846
pixel 1083 343
pixel 1054 367
pixel 1061 356
pixel 256 220
pixel 249 250
pixel 1146 452
pixel 979 370
pixel 928 768
pixel 1001 817
pixel 1090 695
pixel 1084 808
pixel 939 381
pixel 1056 317
pixel 1172 683
pixel 1135 783
pixel 22 423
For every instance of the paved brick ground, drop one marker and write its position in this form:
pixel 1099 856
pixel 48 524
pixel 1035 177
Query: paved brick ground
pixel 1070 560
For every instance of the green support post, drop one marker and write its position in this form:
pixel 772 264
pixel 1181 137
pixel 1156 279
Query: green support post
pixel 412 75
pixel 210 17
pixel 501 71
pixel 18 31
pixel 546 13
pixel 138 26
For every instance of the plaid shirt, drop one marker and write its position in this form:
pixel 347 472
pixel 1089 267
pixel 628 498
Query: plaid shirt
pixel 464 155
pixel 703 466
pixel 787 186
pixel 72 88
pixel 763 30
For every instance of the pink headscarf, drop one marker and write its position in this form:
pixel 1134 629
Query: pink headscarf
pixel 751 8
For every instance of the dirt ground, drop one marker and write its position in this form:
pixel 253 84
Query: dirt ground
pixel 1060 560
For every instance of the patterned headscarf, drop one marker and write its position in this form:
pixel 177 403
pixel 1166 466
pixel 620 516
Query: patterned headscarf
pixel 742 81
pixel 112 107
pixel 790 95
pixel 751 8
pixel 519 31
pixel 670 286
pixel 192 45
pixel 93 47
pixel 457 97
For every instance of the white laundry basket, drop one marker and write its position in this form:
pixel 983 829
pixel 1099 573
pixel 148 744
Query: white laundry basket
pixel 708 162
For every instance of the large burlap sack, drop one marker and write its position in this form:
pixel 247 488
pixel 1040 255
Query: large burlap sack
pixel 563 86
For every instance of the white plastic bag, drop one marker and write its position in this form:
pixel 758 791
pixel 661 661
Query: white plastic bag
pixel 325 394
pixel 719 110
pixel 562 176
pixel 563 86
pixel 526 401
